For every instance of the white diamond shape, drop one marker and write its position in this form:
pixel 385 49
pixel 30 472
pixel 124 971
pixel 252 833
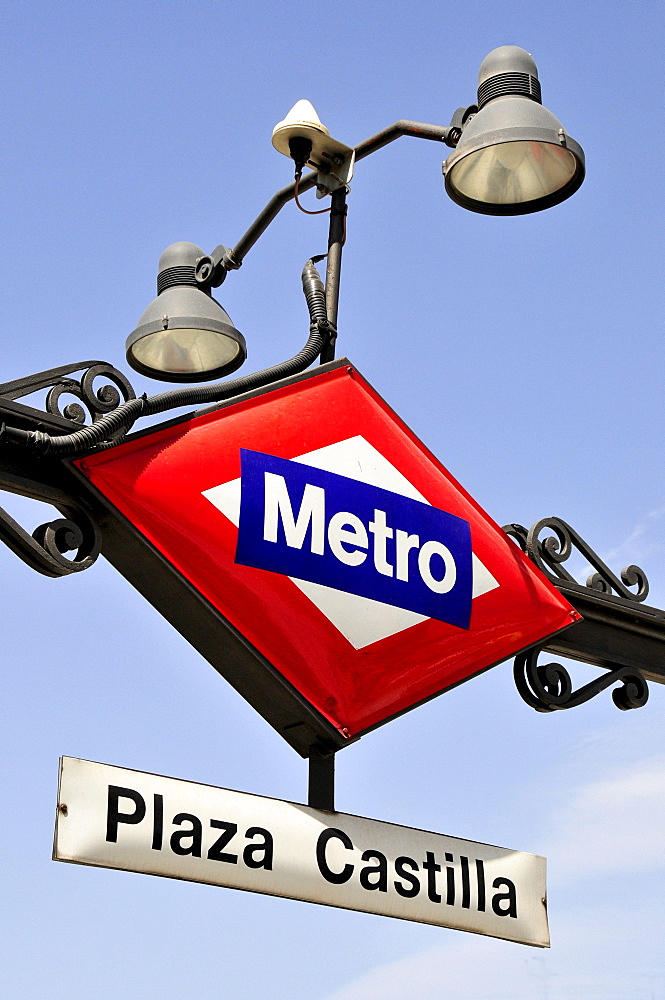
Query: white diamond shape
pixel 361 620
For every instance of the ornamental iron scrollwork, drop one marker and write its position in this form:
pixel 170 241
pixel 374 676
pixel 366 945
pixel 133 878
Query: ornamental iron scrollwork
pixel 551 552
pixel 44 550
pixel 547 687
pixel 96 402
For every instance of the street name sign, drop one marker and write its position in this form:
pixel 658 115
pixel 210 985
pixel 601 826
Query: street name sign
pixel 129 820
pixel 318 555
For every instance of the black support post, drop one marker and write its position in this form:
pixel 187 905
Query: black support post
pixel 321 792
pixel 336 236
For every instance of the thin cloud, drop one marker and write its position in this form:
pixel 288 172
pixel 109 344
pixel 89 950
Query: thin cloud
pixel 612 826
pixel 645 540
pixel 589 961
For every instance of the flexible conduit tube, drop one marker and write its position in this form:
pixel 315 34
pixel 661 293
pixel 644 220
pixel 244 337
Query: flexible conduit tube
pixel 98 434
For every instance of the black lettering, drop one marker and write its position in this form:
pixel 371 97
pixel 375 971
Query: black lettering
pixel 380 869
pixel 450 881
pixel 400 864
pixel 431 867
pixel 216 851
pixel 337 878
pixel 113 815
pixel 480 878
pixel 264 850
pixel 509 898
pixel 195 835
pixel 466 885
pixel 157 822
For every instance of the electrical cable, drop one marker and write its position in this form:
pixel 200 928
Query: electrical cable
pixel 319 211
pixel 103 434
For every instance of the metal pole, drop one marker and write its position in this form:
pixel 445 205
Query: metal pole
pixel 321 791
pixel 419 130
pixel 261 223
pixel 336 236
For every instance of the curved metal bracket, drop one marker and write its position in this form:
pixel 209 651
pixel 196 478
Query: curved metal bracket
pixel 70 543
pixel 550 553
pixel 547 687
pixel 44 550
pixel 618 631
pixel 97 402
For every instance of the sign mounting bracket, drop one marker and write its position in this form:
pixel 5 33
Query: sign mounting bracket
pixel 321 789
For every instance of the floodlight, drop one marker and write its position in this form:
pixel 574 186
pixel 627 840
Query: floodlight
pixel 514 156
pixel 184 335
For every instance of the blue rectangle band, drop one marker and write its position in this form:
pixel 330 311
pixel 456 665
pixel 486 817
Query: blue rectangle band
pixel 325 528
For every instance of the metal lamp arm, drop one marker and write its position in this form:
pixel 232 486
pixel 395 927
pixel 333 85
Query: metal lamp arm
pixel 211 270
pixel 230 260
pixel 105 431
pixel 417 130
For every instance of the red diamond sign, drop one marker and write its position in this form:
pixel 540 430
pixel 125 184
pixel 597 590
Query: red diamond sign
pixel 312 523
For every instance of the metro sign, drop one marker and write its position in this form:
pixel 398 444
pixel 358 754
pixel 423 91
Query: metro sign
pixel 334 552
pixel 342 575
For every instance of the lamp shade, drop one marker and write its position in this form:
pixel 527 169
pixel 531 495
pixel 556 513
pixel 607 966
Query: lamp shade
pixel 514 156
pixel 184 335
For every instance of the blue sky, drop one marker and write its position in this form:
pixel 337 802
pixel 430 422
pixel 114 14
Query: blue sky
pixel 526 353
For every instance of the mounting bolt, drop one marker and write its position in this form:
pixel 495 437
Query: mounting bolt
pixel 204 270
pixel 63 809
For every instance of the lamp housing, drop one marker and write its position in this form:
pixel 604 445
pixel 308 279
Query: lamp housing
pixel 514 156
pixel 184 335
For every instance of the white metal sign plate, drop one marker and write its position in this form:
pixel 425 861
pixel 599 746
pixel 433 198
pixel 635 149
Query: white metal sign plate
pixel 130 820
